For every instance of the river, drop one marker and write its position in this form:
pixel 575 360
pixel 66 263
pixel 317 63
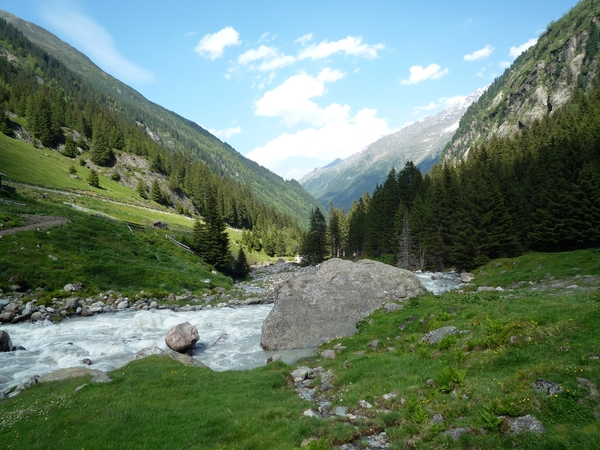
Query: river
pixel 229 339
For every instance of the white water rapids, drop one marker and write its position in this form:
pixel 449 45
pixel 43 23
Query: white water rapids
pixel 229 339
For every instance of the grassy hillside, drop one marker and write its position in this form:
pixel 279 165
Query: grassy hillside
pixel 174 131
pixel 546 329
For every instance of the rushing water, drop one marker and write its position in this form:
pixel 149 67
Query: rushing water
pixel 229 338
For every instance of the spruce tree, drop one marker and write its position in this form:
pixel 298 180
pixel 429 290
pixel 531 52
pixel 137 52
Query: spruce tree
pixel 156 194
pixel 93 179
pixel 314 248
pixel 70 150
pixel 140 188
pixel 240 266
pixel 210 237
pixel 102 154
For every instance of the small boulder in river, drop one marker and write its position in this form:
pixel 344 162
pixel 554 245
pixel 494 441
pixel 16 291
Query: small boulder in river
pixel 182 337
pixel 316 307
pixel 5 342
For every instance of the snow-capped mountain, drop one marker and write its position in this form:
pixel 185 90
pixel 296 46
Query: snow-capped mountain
pixel 420 142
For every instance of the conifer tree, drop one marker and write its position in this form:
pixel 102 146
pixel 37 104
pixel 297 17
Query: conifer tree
pixel 140 188
pixel 70 150
pixel 240 266
pixel 102 154
pixel 156 194
pixel 210 237
pixel 93 179
pixel 314 246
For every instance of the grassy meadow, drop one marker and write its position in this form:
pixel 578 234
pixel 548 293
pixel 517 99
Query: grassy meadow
pixel 545 330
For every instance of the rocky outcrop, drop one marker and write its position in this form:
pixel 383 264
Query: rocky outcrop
pixel 316 307
pixel 182 338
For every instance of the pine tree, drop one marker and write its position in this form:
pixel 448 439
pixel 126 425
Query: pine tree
pixel 70 150
pixel 93 179
pixel 314 246
pixel 240 266
pixel 156 194
pixel 210 237
pixel 411 255
pixel 102 154
pixel 140 188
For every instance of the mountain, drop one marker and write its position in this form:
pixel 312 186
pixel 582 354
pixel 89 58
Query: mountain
pixel 546 77
pixel 420 142
pixel 173 132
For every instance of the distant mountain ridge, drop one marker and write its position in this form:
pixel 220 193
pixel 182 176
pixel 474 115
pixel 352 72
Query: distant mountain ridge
pixel 173 131
pixel 421 142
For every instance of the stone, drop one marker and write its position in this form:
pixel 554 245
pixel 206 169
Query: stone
pixel 182 338
pixel 36 316
pixel 69 287
pixel 171 297
pixel 435 336
pixel 365 404
pixel 437 276
pixel 312 413
pixel 301 372
pixel 72 303
pixel 549 387
pixel 328 354
pixel 123 304
pixel 326 303
pixel 437 419
pixel 99 376
pixel 273 358
pixel 455 433
pixel 391 307
pixel 374 344
pixel 6 344
pixel 517 425
pixel 7 317
pixel 87 361
pixel 339 411
pixel 466 277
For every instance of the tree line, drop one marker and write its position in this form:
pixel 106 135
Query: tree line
pixel 536 191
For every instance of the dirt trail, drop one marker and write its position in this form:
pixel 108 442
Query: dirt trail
pixel 34 222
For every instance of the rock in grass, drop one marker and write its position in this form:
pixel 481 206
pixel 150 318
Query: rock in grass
pixel 316 307
pixel 549 387
pixel 435 336
pixel 517 425
pixel 182 338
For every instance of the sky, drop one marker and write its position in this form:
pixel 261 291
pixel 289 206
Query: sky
pixel 295 85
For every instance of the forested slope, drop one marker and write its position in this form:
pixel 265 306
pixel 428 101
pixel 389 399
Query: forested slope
pixel 171 131
pixel 48 105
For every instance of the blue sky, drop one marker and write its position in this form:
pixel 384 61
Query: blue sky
pixel 295 85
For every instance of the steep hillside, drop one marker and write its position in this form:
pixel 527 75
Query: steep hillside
pixel 541 80
pixel 172 131
pixel 420 142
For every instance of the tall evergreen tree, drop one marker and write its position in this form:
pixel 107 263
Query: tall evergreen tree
pixel 210 237
pixel 314 248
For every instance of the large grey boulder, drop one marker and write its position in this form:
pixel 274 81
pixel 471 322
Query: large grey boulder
pixel 316 307
pixel 182 337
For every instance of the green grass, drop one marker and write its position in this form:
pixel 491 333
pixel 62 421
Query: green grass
pixel 100 253
pixel 157 403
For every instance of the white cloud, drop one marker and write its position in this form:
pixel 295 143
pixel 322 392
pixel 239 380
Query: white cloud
pixel 479 54
pixel 212 46
pixel 303 40
pixel 269 57
pixel 291 101
pixel 92 39
pixel 293 155
pixel 420 73
pixel 430 107
pixel 227 133
pixel 516 51
pixel 351 45
pixel 504 64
